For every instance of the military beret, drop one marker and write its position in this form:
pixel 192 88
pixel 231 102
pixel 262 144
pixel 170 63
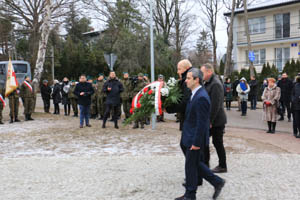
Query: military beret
pixel 140 74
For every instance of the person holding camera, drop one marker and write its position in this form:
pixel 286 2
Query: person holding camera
pixel 270 98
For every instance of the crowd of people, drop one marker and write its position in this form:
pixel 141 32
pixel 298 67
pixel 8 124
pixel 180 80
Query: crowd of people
pixel 280 97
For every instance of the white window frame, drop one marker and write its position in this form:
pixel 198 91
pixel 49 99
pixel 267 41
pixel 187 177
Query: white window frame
pixel 258 57
pixel 259 23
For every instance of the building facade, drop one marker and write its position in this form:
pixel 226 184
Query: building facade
pixel 274 29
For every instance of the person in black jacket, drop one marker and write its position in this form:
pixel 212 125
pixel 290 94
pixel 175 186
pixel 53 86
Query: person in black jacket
pixel 253 92
pixel 84 91
pixel 56 96
pixel 64 93
pixel 286 87
pixel 112 87
pixel 218 117
pixel 296 106
pixel 46 95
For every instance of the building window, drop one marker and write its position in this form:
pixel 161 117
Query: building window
pixel 257 25
pixel 260 57
pixel 282 55
pixel 282 25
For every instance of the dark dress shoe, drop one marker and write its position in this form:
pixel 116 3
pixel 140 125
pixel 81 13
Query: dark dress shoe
pixel 88 125
pixel 17 120
pixel 218 189
pixel 289 120
pixel 80 126
pixel 184 198
pixel 184 184
pixel 219 169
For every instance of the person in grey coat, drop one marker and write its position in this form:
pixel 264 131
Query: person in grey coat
pixel 218 117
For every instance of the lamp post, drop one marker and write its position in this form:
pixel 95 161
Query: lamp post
pixel 152 57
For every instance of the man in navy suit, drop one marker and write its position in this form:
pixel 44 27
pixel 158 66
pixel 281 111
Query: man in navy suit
pixel 195 137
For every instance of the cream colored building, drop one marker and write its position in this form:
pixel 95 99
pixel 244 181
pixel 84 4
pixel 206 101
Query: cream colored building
pixel 274 29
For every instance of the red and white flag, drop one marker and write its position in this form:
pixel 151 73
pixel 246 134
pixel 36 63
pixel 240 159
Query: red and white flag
pixel 11 79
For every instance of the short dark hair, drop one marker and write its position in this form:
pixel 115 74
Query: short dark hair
pixel 197 73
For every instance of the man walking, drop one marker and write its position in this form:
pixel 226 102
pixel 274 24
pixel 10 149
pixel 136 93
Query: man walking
pixel 112 87
pixel 84 91
pixel 46 95
pixel 27 95
pixel 195 138
pixel 218 118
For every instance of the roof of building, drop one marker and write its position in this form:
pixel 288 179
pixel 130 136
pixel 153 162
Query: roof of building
pixel 264 6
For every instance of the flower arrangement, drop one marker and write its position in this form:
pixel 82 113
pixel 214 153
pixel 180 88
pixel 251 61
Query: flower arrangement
pixel 153 98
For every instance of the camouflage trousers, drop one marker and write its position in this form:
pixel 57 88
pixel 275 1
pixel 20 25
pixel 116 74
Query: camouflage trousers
pixel 74 105
pixel 126 103
pixel 28 106
pixel 94 110
pixel 101 106
pixel 14 107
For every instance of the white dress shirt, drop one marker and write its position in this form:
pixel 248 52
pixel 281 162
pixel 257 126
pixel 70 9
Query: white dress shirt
pixel 194 91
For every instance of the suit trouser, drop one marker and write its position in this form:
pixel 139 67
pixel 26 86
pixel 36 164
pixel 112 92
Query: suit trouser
pixel 194 167
pixel 126 107
pixel 217 134
pixel 287 105
pixel 1 109
pixel 296 121
pixel 111 108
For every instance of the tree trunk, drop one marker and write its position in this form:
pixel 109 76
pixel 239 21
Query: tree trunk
pixel 177 28
pixel 248 37
pixel 43 45
pixel 228 64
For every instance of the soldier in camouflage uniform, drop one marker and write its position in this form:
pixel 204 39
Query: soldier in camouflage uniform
pixel 73 99
pixel 139 86
pixel 2 93
pixel 100 96
pixel 126 95
pixel 14 105
pixel 27 95
pixel 93 101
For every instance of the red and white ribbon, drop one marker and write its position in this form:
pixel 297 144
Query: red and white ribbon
pixel 28 85
pixel 156 87
pixel 2 100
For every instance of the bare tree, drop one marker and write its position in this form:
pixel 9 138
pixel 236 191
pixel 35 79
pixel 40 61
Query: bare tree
pixel 248 37
pixel 211 9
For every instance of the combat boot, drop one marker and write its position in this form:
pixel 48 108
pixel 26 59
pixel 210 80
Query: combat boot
pixel 17 120
pixel 29 117
pixel 116 124
pixel 11 120
pixel 142 125
pixel 136 125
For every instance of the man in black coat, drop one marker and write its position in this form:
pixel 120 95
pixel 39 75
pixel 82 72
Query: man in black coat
pixel 218 117
pixel 46 95
pixel 84 91
pixel 286 87
pixel 112 87
pixel 253 92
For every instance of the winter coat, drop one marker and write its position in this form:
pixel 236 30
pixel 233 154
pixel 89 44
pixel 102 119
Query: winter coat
pixel 253 88
pixel 271 95
pixel 228 91
pixel 243 95
pixel 113 96
pixel 296 97
pixel 215 91
pixel 56 95
pixel 87 88
pixel 45 92
pixel 181 107
pixel 286 87
pixel 64 94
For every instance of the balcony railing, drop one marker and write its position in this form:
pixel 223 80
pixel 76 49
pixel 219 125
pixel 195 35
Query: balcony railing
pixel 270 35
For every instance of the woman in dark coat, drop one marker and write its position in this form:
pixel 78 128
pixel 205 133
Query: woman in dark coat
pixel 228 93
pixel 296 105
pixel 56 96
pixel 65 99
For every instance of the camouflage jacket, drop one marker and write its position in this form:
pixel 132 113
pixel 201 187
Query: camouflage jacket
pixel 71 94
pixel 127 93
pixel 139 86
pixel 99 91
pixel 26 92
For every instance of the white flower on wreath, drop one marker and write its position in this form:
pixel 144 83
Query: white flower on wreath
pixel 172 82
pixel 164 92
